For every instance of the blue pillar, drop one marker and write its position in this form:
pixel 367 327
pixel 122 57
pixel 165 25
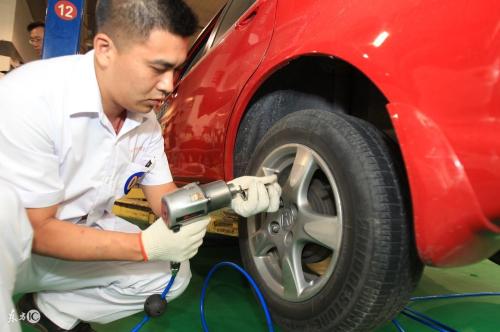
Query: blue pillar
pixel 62 28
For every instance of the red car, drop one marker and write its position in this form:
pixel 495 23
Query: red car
pixel 382 121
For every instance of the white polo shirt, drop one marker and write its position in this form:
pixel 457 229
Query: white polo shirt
pixel 58 147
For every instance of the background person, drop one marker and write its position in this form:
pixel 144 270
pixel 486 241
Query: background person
pixel 36 32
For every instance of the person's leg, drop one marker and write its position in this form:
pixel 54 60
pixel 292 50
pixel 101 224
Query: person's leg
pixel 112 300
pixel 15 247
pixel 99 291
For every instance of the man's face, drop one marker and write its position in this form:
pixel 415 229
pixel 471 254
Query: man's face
pixel 142 74
pixel 36 39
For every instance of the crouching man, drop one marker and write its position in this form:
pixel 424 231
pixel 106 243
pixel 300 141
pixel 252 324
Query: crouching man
pixel 76 132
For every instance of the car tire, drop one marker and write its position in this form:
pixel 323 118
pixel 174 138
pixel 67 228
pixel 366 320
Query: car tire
pixel 338 255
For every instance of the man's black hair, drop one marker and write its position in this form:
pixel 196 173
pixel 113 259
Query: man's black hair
pixel 34 25
pixel 135 19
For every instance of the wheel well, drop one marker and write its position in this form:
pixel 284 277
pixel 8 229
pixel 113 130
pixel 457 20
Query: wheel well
pixel 318 82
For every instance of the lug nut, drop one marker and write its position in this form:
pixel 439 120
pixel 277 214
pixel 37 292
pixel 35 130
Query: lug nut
pixel 275 227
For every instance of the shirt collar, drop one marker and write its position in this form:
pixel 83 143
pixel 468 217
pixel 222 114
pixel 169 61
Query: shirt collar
pixel 86 93
pixel 86 97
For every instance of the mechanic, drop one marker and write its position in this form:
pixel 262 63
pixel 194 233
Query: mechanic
pixel 76 133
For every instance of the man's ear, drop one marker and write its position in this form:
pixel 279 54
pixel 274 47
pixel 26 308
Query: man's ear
pixel 104 49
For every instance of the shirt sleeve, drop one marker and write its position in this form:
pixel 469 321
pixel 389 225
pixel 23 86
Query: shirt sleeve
pixel 27 154
pixel 159 173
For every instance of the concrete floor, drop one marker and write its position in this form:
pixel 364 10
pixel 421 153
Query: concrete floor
pixel 231 306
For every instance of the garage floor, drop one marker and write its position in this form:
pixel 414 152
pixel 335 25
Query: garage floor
pixel 230 305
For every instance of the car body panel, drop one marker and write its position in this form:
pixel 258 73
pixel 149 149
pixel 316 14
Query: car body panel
pixel 199 116
pixel 438 179
pixel 437 63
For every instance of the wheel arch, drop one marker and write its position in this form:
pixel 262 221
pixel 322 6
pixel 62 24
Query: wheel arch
pixel 309 81
pixel 329 83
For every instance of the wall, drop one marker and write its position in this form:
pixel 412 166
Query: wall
pixel 20 35
pixel 8 9
pixel 15 17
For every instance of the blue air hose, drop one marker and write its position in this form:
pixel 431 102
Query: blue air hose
pixel 252 282
pixel 163 295
pixel 408 312
pixel 430 322
pixel 203 293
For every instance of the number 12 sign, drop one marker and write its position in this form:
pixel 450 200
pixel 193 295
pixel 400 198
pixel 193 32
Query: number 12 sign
pixel 62 27
pixel 66 10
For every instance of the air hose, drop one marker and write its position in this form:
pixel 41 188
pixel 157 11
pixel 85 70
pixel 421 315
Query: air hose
pixel 156 304
pixel 250 280
pixel 430 322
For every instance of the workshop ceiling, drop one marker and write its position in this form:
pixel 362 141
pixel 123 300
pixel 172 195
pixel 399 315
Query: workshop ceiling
pixel 37 8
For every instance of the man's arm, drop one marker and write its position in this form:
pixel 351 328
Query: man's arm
pixel 154 194
pixel 64 240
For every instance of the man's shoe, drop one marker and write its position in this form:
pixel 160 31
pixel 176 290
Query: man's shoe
pixel 39 321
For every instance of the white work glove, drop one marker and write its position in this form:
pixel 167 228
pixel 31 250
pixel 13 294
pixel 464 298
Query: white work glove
pixel 160 243
pixel 260 198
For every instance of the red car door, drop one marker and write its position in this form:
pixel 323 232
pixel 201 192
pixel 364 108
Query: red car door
pixel 200 106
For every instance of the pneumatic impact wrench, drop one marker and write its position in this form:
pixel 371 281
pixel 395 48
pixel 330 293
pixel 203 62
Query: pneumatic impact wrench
pixel 183 207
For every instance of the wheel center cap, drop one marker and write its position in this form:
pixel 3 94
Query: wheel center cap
pixel 287 217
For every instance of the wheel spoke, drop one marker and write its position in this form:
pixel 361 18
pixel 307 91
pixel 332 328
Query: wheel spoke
pixel 293 277
pixel 303 169
pixel 321 229
pixel 262 243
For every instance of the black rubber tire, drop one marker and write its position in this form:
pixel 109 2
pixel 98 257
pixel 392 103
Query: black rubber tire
pixel 496 258
pixel 377 267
